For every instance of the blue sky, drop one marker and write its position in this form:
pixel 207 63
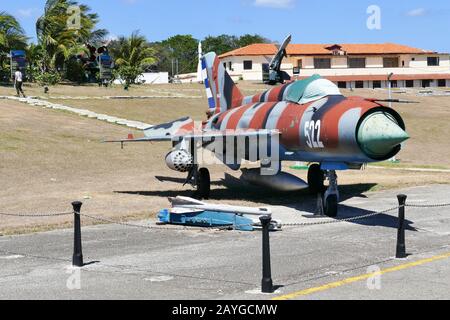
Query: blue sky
pixel 423 24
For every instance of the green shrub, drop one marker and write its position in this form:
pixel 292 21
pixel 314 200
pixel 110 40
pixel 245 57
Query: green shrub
pixel 75 71
pixel 128 74
pixel 46 78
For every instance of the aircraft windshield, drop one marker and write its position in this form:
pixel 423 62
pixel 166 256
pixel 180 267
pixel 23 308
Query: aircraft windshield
pixel 311 89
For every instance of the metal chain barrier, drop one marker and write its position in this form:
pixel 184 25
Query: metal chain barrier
pixel 428 205
pixel 350 219
pixel 126 224
pixel 36 215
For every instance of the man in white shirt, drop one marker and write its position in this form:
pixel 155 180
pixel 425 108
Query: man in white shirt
pixel 18 82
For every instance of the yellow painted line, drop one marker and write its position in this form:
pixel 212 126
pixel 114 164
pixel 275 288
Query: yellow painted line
pixel 360 277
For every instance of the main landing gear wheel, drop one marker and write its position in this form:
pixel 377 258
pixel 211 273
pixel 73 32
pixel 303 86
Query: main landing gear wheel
pixel 316 179
pixel 203 184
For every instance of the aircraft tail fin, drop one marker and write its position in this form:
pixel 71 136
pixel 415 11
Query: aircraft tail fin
pixel 222 92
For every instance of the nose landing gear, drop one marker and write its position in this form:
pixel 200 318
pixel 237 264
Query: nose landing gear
pixel 330 195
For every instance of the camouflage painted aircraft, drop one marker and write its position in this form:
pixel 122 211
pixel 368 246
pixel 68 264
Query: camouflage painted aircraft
pixel 311 119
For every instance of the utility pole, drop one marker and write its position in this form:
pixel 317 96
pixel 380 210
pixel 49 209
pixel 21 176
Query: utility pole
pixel 390 88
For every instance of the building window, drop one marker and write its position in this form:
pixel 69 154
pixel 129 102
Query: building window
pixel 426 83
pixel 225 65
pixel 410 83
pixel 230 66
pixel 442 83
pixel 394 84
pixel 300 64
pixel 357 62
pixel 248 65
pixel 376 84
pixel 342 85
pixel 296 71
pixel 433 61
pixel 390 62
pixel 359 85
pixel 322 63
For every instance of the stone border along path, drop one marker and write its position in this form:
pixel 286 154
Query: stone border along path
pixel 178 96
pixel 81 112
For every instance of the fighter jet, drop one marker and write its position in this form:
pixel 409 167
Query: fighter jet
pixel 307 120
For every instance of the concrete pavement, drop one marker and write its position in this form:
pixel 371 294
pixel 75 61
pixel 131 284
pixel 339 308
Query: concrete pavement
pixel 133 263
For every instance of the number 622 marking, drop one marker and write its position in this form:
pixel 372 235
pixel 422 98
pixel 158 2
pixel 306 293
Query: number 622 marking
pixel 312 134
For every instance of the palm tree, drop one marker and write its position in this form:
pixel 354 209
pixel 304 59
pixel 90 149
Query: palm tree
pixel 133 51
pixel 58 42
pixel 12 37
pixel 132 56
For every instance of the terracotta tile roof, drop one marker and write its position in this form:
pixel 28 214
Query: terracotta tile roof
pixel 319 49
pixel 256 49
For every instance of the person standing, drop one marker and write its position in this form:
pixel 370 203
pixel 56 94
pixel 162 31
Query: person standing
pixel 18 83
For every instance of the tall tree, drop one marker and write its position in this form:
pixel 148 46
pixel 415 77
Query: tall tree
pixel 57 39
pixel 12 37
pixel 224 43
pixel 248 39
pixel 132 55
pixel 132 51
pixel 183 48
pixel 220 44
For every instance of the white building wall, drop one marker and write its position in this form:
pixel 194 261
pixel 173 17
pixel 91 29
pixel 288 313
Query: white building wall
pixel 150 78
pixel 339 62
pixel 237 67
pixel 374 62
pixel 154 78
pixel 308 62
pixel 414 64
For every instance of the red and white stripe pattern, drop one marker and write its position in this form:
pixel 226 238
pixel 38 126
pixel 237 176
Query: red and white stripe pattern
pixel 278 93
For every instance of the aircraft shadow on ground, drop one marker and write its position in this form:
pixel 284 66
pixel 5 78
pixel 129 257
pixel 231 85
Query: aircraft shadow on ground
pixel 232 188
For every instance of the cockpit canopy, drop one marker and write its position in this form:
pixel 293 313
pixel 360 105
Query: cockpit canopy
pixel 311 89
pixel 300 91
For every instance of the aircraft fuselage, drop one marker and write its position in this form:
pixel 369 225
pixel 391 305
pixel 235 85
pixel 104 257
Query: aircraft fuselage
pixel 332 129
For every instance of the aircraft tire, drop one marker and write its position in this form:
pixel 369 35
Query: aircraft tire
pixel 204 184
pixel 316 179
pixel 331 206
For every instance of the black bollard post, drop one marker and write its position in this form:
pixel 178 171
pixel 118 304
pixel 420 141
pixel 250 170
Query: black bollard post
pixel 266 283
pixel 77 260
pixel 319 212
pixel 401 248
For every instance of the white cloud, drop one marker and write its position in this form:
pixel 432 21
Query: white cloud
pixel 274 3
pixel 419 12
pixel 26 13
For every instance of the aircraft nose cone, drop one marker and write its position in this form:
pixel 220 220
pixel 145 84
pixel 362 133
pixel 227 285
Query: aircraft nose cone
pixel 379 134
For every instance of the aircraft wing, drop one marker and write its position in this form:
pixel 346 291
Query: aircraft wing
pixel 213 134
pixel 183 129
pixel 162 132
